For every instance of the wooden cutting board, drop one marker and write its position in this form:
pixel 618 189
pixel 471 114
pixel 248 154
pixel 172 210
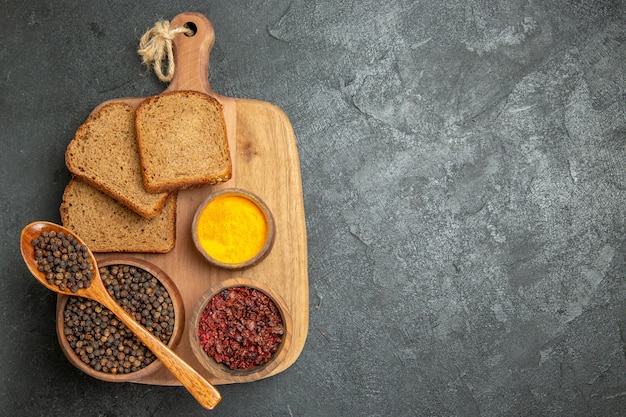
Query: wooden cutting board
pixel 265 162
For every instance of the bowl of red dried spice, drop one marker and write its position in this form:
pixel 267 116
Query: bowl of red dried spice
pixel 95 341
pixel 240 330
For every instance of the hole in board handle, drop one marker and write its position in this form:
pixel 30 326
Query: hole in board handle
pixel 193 27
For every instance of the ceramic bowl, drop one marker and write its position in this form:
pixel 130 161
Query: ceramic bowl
pixel 221 231
pixel 179 322
pixel 220 370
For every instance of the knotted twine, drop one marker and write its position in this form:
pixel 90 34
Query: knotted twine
pixel 155 47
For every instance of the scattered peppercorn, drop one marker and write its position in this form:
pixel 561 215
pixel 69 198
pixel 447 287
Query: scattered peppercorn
pixel 240 327
pixel 101 340
pixel 63 259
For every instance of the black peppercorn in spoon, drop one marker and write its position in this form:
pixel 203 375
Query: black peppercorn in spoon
pixel 93 288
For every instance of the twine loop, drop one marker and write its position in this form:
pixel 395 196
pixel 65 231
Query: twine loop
pixel 155 48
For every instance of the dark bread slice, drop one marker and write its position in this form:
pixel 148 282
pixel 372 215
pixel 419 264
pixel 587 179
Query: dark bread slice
pixel 182 141
pixel 104 153
pixel 107 226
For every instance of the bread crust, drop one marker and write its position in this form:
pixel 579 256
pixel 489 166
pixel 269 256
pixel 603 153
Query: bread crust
pixel 105 225
pixel 182 141
pixel 104 153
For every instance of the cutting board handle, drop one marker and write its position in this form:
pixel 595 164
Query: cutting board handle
pixel 191 54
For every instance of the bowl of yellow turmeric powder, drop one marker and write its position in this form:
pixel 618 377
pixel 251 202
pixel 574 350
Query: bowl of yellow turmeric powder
pixel 233 229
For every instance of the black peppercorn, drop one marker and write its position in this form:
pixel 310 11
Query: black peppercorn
pixel 61 258
pixel 114 349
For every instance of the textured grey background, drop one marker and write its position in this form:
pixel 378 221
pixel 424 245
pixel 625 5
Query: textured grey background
pixel 463 165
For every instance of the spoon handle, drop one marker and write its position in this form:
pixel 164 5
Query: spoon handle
pixel 201 389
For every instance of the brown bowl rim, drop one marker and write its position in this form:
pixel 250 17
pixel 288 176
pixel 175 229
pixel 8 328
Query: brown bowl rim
pixel 269 218
pixel 220 370
pixel 179 321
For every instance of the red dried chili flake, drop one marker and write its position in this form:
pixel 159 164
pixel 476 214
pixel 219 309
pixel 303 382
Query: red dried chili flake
pixel 241 328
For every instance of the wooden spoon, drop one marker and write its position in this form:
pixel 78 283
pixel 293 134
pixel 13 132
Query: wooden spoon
pixel 201 389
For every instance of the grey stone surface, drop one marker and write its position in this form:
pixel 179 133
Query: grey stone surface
pixel 463 165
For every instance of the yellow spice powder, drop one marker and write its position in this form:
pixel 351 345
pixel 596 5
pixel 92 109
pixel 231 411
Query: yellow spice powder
pixel 232 229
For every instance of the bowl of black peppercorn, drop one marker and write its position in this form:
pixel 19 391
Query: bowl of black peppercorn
pixel 98 343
